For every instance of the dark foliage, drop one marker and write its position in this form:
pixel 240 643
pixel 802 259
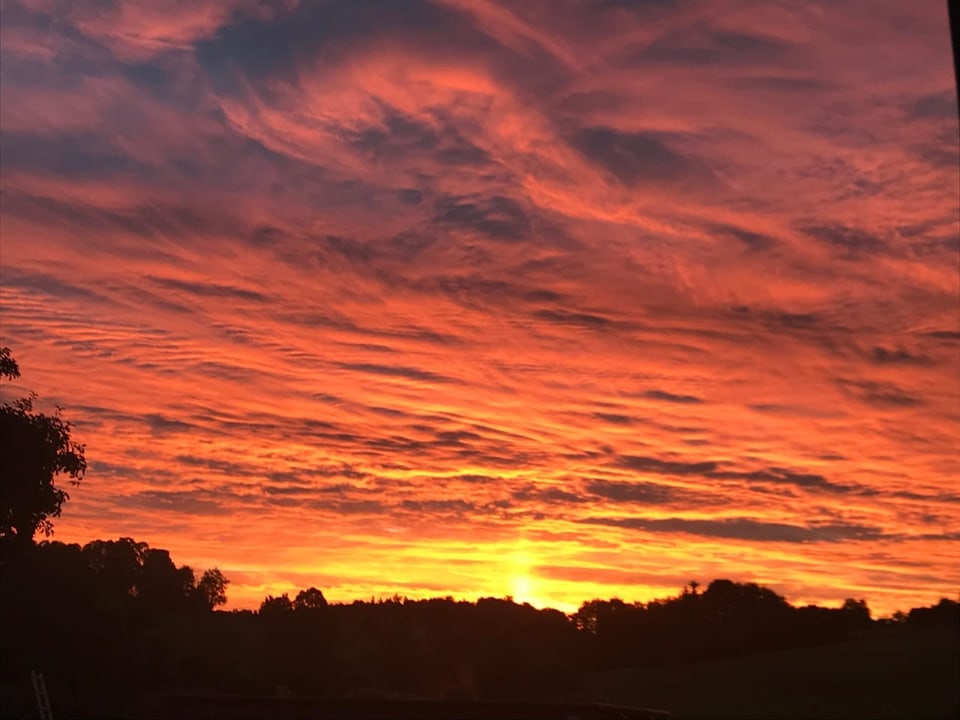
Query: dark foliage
pixel 34 450
pixel 728 618
pixel 946 613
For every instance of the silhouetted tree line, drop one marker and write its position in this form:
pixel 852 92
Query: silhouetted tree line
pixel 728 618
pixel 113 623
pixel 101 619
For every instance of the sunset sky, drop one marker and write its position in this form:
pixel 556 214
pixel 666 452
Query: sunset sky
pixel 557 299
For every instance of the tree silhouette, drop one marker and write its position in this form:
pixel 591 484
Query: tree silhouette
pixel 163 587
pixel 856 612
pixel 276 606
pixel 212 588
pixel 34 449
pixel 8 366
pixel 309 599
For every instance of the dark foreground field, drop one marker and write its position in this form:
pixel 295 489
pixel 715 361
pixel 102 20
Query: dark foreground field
pixel 882 673
pixel 894 672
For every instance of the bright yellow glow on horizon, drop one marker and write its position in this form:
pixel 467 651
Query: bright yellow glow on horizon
pixel 523 587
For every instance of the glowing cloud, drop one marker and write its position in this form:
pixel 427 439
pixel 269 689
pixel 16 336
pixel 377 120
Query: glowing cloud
pixel 551 300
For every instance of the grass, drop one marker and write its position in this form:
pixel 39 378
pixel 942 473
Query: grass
pixel 886 673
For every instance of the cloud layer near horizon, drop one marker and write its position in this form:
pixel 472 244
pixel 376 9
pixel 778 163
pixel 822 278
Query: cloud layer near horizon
pixel 559 300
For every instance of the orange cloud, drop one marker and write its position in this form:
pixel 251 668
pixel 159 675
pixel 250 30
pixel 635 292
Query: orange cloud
pixel 478 299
